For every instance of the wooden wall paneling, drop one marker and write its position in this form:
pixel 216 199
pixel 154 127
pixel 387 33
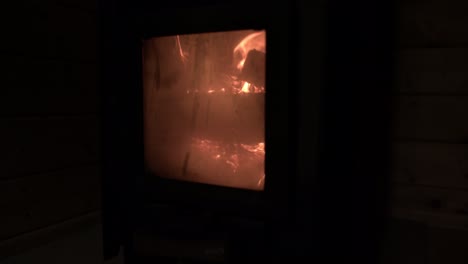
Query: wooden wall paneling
pixel 416 242
pixel 82 79
pixel 432 164
pixel 27 241
pixel 431 118
pixel 32 32
pixel 433 205
pixel 405 242
pixel 430 154
pixel 48 87
pixel 433 23
pixel 78 31
pixel 36 145
pixel 431 218
pixel 432 71
pixel 34 202
pixel 51 31
pixel 48 128
pixel 447 245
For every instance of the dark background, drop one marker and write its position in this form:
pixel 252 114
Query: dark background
pixel 49 131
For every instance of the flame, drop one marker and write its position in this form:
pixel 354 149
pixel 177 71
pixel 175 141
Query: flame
pixel 261 182
pixel 259 148
pixel 181 52
pixel 245 87
pixel 234 162
pixel 253 41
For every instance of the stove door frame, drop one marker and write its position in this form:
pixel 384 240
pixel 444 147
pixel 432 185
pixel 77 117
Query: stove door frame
pixel 280 143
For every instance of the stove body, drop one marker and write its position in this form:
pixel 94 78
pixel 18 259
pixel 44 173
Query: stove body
pixel 215 118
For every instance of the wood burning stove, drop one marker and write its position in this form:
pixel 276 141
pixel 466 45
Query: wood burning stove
pixel 210 127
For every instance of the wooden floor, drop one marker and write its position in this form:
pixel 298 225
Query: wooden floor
pixel 83 246
pixel 414 242
pixel 407 242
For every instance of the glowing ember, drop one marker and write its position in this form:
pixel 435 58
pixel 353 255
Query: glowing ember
pixel 259 148
pixel 245 87
pixel 242 159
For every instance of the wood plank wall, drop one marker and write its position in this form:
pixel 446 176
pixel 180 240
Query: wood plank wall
pixel 430 142
pixel 48 115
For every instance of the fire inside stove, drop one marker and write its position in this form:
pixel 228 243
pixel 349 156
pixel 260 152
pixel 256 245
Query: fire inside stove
pixel 204 97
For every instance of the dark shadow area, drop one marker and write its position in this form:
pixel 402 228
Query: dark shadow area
pixel 295 131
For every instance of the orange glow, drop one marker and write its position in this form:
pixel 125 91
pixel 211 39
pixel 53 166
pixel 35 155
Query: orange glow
pixel 253 41
pixel 204 108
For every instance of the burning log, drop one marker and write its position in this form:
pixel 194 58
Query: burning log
pixel 254 68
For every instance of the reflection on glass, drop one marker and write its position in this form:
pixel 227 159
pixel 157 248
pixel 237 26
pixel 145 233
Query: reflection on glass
pixel 204 100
